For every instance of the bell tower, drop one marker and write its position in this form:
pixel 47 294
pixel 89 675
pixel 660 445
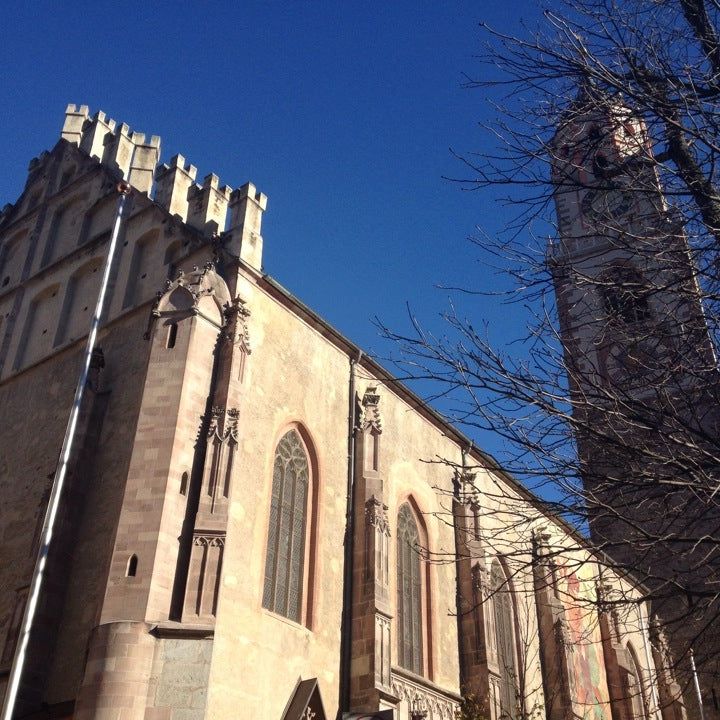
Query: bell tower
pixel 638 353
pixel 626 285
pixel 641 366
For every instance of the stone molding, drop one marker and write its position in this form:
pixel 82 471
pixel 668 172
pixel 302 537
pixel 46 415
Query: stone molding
pixel 376 515
pixel 424 696
pixel 223 424
pixel 173 629
pixel 209 540
pixel 195 285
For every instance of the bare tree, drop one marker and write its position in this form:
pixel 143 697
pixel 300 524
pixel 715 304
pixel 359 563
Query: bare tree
pixel 608 145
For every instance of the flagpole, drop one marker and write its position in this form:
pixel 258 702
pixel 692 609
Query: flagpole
pixel 61 471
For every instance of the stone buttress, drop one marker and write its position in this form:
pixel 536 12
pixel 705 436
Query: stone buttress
pixel 168 548
pixel 370 681
pixel 554 641
pixel 209 524
pixel 480 677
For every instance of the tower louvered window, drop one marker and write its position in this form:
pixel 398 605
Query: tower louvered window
pixel 409 589
pixel 625 295
pixel 285 557
pixel 505 640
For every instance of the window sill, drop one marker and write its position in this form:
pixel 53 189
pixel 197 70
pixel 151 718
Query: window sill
pixel 287 621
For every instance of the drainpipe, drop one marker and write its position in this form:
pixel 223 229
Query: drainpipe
pixel 346 622
pixel 61 470
pixel 696 682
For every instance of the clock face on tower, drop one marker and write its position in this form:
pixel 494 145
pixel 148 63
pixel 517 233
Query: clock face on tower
pixel 606 203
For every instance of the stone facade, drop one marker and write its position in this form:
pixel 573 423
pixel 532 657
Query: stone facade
pixel 155 604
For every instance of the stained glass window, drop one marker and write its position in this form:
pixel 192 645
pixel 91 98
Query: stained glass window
pixel 409 588
pixel 285 556
pixel 505 640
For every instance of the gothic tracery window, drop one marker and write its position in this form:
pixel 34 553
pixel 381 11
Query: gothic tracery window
pixel 409 590
pixel 503 618
pixel 285 558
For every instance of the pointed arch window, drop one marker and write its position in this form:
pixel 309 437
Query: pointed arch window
pixel 409 592
pixel 503 618
pixel 285 558
pixel 636 695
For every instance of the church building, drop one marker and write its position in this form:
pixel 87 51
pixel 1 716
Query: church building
pixel 250 525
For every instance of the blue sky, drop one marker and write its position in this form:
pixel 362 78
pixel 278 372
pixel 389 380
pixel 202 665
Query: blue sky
pixel 342 113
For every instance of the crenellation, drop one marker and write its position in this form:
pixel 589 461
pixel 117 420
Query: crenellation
pixel 74 121
pixel 208 205
pixel 247 206
pixel 144 161
pixel 95 133
pixel 172 185
pixel 202 206
pixel 120 150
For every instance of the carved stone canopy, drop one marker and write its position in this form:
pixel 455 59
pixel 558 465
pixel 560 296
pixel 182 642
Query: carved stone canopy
pixel 223 423
pixel 209 539
pixel 200 291
pixel 541 545
pixel 369 417
pixel 376 514
pixel 237 332
pixel 481 579
pixel 464 482
pixel 607 603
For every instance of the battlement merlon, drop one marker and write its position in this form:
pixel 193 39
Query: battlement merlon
pixel 94 133
pixel 145 158
pixel 247 206
pixel 172 185
pixel 208 205
pixel 75 118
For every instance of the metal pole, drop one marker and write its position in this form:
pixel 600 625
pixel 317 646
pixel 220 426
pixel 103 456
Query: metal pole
pixel 346 621
pixel 60 473
pixel 697 684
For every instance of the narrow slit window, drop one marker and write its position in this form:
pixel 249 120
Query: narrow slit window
pixel 131 570
pixel 171 336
